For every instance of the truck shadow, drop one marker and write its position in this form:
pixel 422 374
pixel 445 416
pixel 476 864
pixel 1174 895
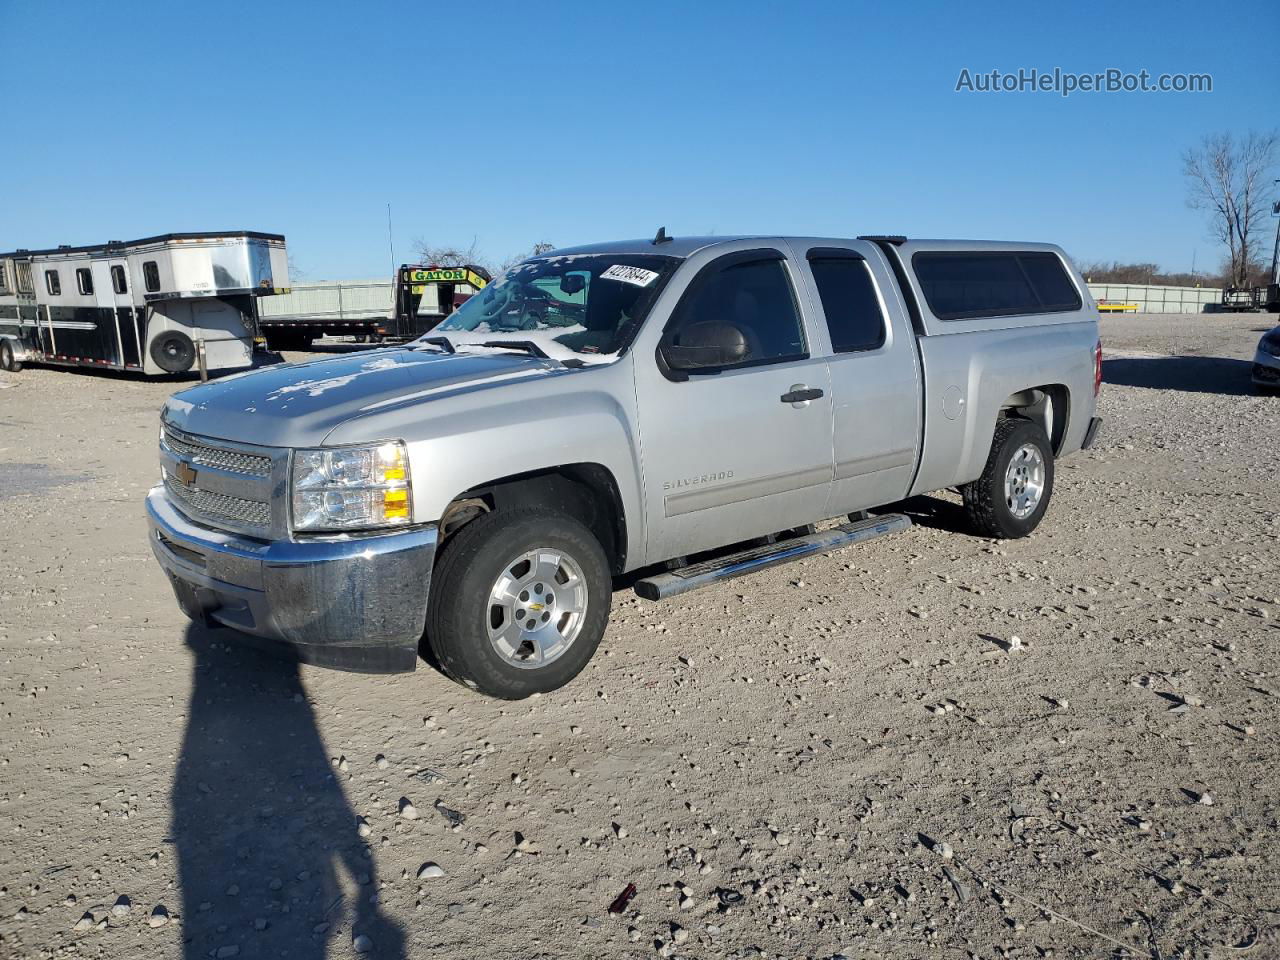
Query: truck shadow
pixel 1194 374
pixel 262 829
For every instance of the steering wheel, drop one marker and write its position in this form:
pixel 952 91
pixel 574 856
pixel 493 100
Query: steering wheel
pixel 496 299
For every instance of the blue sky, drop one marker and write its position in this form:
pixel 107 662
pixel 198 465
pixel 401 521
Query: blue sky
pixel 521 122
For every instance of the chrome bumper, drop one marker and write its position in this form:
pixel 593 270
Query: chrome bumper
pixel 1266 369
pixel 356 603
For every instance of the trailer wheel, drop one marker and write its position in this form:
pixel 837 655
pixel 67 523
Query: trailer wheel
pixel 173 351
pixel 1010 498
pixel 8 359
pixel 519 601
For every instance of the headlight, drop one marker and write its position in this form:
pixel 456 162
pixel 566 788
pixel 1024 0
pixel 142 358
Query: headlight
pixel 1270 344
pixel 351 488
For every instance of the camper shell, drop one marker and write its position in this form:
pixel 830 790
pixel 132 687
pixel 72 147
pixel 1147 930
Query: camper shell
pixel 153 305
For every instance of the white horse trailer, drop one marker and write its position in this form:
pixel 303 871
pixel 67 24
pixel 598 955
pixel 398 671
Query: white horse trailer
pixel 152 305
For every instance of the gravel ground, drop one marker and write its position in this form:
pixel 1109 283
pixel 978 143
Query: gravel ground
pixel 848 756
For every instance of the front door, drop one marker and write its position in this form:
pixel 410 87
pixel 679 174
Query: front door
pixel 744 449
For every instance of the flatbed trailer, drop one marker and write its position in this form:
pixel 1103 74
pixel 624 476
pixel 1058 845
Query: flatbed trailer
pixel 425 295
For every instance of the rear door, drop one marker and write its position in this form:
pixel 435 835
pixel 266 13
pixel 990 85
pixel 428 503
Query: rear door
pixel 875 372
pixel 727 456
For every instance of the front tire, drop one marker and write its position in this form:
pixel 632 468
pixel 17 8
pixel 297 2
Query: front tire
pixel 519 602
pixel 1010 498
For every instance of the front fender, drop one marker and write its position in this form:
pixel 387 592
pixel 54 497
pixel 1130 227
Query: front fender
pixel 470 437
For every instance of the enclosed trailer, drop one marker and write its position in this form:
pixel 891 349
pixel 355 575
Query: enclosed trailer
pixel 158 305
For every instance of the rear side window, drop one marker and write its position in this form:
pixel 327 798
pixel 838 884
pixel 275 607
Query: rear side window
pixel 4 279
pixel 754 296
pixel 850 304
pixel 971 285
pixel 151 276
pixel 118 282
pixel 84 281
pixel 53 283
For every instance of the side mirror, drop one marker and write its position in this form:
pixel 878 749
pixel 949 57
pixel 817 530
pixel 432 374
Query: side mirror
pixel 572 283
pixel 708 344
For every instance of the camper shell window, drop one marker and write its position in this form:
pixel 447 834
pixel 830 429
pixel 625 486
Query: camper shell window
pixel 973 285
pixel 119 283
pixel 84 281
pixel 4 278
pixel 53 283
pixel 151 276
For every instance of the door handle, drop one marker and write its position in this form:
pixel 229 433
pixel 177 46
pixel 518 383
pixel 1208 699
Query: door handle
pixel 801 394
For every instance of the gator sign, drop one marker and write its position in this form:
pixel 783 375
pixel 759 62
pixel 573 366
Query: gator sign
pixel 419 277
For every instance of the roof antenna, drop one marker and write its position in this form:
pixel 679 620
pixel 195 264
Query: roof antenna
pixel 661 237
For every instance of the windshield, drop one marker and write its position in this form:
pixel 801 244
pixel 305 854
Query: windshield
pixel 581 307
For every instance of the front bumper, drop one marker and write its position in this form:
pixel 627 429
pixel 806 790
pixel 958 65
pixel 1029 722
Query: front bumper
pixel 353 603
pixel 1266 370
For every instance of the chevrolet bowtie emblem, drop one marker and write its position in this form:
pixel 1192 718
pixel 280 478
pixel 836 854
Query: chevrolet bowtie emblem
pixel 535 607
pixel 186 473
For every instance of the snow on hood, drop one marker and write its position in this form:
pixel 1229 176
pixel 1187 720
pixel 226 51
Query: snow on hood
pixel 299 404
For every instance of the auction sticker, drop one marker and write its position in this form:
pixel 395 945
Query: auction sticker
pixel 636 276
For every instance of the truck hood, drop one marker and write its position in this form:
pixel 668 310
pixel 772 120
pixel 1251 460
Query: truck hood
pixel 298 405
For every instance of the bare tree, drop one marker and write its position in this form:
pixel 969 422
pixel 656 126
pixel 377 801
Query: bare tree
pixel 458 256
pixel 537 250
pixel 447 256
pixel 1229 179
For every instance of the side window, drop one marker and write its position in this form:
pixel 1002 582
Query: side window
pixel 850 303
pixel 53 283
pixel 151 276
pixel 756 297
pixel 118 281
pixel 1050 281
pixel 22 275
pixel 84 281
pixel 4 278
pixel 969 286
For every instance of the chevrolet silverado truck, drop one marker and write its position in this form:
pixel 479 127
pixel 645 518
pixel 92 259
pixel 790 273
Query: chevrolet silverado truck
pixel 716 404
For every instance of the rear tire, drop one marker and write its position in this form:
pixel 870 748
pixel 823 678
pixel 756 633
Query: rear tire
pixel 566 599
pixel 8 359
pixel 1010 498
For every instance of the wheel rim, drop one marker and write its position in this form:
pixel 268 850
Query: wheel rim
pixel 1024 481
pixel 536 608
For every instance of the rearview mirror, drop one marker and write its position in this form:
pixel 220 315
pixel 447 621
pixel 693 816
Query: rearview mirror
pixel 708 344
pixel 572 283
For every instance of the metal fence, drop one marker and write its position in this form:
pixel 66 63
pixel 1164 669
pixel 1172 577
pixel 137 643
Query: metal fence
pixel 340 300
pixel 1154 299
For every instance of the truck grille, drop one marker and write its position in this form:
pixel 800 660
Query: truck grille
pixel 218 507
pixel 200 453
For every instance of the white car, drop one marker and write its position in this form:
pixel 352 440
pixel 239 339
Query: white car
pixel 1266 363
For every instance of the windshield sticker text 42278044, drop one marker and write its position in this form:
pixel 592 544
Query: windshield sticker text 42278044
pixel 637 276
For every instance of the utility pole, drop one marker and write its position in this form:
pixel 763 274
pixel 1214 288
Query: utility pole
pixel 1275 253
pixel 391 243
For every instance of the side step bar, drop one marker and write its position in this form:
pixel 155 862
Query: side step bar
pixel 675 582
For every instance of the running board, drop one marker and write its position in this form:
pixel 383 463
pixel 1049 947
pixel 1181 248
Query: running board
pixel 663 585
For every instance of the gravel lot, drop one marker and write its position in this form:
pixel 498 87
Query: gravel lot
pixel 854 743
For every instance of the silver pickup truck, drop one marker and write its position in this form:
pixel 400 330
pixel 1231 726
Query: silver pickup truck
pixel 689 409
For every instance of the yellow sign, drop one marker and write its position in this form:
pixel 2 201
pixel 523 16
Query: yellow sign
pixel 447 275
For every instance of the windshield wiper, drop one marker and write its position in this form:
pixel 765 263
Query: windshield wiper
pixel 444 343
pixel 527 346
